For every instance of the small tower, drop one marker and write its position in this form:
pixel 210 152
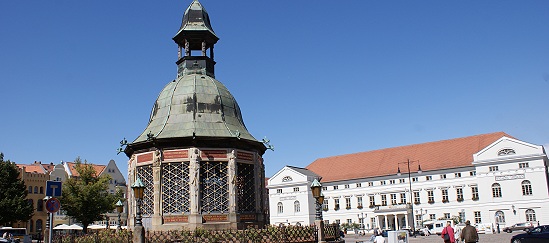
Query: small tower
pixel 200 165
pixel 196 34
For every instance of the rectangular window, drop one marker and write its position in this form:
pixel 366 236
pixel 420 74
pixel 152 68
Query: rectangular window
pixel 403 198
pixel 325 205
pixel 393 199
pixel 417 199
pixel 496 190
pixel 402 181
pixel 418 219
pixel 446 215
pixel 348 203
pixel 461 217
pixel 524 165
pixel 383 200
pixel 432 216
pixel 359 202
pixel 325 188
pixel 370 183
pixel 382 183
pixel 335 187
pixel 336 204
pixel 459 192
pixel 526 188
pixel 358 184
pixel 457 174
pixel 296 189
pixel 474 192
pixel 428 178
pixel 278 190
pixel 478 219
pixel 443 176
pixel 414 179
pixel 347 186
pixel 472 173
pixel 430 196
pixel 493 168
pixel 337 221
pixel 391 181
pixel 372 201
pixel 349 221
pixel 444 195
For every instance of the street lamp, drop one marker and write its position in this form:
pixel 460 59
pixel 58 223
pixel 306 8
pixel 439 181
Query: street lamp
pixel 408 162
pixel 316 189
pixel 138 191
pixel 119 207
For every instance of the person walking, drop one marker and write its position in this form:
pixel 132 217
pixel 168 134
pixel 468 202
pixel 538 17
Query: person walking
pixel 457 233
pixel 448 234
pixel 469 233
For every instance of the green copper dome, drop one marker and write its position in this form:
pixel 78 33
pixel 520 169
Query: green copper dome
pixel 195 105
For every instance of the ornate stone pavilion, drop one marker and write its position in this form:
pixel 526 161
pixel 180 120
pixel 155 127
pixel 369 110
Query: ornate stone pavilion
pixel 200 165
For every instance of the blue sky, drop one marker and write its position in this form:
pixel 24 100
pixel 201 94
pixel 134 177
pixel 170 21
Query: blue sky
pixel 318 78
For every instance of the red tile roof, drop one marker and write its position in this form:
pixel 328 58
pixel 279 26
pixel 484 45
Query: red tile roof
pixel 98 168
pixel 437 155
pixel 32 168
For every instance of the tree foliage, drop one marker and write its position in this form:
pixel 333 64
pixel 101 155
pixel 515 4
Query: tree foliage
pixel 86 197
pixel 14 205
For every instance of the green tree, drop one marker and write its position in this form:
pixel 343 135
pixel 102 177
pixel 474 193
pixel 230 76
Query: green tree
pixel 86 197
pixel 13 195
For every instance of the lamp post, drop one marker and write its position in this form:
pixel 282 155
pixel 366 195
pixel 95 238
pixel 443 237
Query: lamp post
pixel 408 162
pixel 119 208
pixel 48 230
pixel 316 189
pixel 138 191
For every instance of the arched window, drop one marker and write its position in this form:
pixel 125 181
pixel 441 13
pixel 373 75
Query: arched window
pixel 30 226
pixel 30 189
pixel 526 188
pixel 506 152
pixel 35 190
pixel 41 190
pixel 500 217
pixel 39 205
pixel 31 202
pixel 287 178
pixel 297 208
pixel 39 225
pixel 530 215
pixel 280 207
pixel 496 190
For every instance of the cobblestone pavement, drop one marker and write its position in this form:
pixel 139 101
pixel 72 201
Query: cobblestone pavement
pixel 491 238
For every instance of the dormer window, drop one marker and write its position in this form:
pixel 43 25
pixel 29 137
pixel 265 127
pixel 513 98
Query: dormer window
pixel 287 178
pixel 506 152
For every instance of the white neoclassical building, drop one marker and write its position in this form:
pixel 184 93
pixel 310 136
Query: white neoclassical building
pixel 487 179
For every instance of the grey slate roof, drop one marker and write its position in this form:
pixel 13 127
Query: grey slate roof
pixel 195 105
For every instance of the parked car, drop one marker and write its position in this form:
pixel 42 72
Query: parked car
pixel 519 226
pixel 537 234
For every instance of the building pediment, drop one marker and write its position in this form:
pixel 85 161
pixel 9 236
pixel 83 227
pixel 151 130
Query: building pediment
pixel 506 148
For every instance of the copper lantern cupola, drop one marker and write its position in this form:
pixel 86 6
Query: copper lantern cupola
pixel 200 165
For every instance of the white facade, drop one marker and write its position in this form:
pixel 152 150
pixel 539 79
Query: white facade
pixel 506 183
pixel 290 198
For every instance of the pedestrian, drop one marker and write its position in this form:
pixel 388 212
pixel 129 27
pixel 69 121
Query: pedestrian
pixel 379 237
pixel 448 234
pixel 469 233
pixel 457 233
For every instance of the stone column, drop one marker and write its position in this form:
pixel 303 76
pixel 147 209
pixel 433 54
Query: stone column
pixel 232 166
pixel 385 220
pixel 396 222
pixel 157 196
pixel 195 217
pixel 406 219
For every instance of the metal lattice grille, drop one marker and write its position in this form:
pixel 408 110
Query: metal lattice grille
pixel 145 173
pixel 175 188
pixel 245 187
pixel 214 187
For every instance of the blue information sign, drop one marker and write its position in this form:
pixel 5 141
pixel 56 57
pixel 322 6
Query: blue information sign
pixel 53 188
